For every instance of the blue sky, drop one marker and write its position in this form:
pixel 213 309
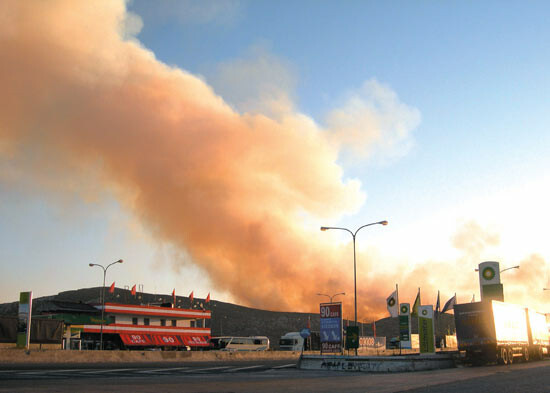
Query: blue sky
pixel 469 79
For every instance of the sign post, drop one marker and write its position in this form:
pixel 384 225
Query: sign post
pixel 24 323
pixel 331 327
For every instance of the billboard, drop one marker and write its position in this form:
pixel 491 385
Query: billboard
pixel 405 325
pixel 331 327
pixel 489 281
pixel 426 329
pixel 24 322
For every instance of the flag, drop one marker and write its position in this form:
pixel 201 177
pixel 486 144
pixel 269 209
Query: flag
pixel 391 303
pixel 473 298
pixel 374 328
pixel 191 297
pixel 416 304
pixel 134 290
pixel 174 296
pixel 450 304
pixel 208 298
pixel 437 303
pixel 112 289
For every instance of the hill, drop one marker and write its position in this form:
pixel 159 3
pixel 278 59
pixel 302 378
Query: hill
pixel 230 319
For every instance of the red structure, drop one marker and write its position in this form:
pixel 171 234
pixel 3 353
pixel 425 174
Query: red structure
pixel 152 326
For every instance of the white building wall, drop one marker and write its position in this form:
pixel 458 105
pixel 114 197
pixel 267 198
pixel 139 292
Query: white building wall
pixel 155 321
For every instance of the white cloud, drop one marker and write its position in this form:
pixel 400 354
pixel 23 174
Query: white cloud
pixel 260 82
pixel 373 122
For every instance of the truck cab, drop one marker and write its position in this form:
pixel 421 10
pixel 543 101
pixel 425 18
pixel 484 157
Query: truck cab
pixel 291 342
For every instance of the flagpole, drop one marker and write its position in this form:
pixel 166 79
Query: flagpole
pixel 397 295
pixel 398 312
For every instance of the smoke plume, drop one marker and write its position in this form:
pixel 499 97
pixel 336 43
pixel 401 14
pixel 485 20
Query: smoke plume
pixel 85 107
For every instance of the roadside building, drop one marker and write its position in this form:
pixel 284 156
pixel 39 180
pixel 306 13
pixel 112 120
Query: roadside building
pixel 146 326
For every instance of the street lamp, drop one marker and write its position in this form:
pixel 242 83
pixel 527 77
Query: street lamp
pixel 353 234
pixel 508 268
pixel 503 270
pixel 330 297
pixel 103 297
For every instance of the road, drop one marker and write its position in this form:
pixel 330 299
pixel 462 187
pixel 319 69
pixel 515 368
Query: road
pixel 267 376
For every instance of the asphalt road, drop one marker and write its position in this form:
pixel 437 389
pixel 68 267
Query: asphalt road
pixel 269 377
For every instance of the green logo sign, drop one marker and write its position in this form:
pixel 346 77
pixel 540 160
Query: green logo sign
pixel 391 302
pixel 424 312
pixel 404 309
pixel 488 273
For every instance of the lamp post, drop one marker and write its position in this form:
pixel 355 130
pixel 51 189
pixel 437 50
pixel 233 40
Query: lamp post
pixel 353 234
pixel 331 297
pixel 508 268
pixel 103 297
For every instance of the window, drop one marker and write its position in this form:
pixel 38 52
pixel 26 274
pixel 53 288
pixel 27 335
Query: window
pixel 146 321
pixel 163 322
pixel 192 323
pixel 134 321
pixel 173 322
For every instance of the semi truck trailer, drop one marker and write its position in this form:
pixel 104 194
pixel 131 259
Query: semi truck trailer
pixel 490 331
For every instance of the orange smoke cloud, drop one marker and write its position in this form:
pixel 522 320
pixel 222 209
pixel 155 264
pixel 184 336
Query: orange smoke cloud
pixel 232 190
pixel 229 189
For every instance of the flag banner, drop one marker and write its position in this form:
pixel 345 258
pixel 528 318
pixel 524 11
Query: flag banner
pixel 207 298
pixel 405 325
pixel 449 305
pixel 416 304
pixel 426 329
pixel 191 297
pixel 112 288
pixel 134 290
pixel 391 303
pixel 437 303
pixel 174 292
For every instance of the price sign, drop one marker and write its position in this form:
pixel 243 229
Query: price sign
pixel 331 327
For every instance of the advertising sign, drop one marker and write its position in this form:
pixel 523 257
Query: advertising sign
pixel 24 322
pixel 370 342
pixel 426 329
pixel 331 327
pixel 405 325
pixel 489 281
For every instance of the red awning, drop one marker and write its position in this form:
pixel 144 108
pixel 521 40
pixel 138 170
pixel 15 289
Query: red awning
pixel 196 341
pixel 137 339
pixel 168 340
pixel 165 340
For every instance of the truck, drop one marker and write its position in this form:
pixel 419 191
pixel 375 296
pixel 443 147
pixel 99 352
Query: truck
pixel 490 331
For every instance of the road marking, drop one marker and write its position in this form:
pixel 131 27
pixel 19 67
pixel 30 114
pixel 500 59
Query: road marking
pixel 286 366
pixel 107 371
pixel 243 368
pixel 161 369
pixel 32 373
pixel 207 369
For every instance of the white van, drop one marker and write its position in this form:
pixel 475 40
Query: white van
pixel 255 343
pixel 291 342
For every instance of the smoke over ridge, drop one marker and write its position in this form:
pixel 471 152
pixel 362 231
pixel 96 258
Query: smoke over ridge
pixel 81 96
